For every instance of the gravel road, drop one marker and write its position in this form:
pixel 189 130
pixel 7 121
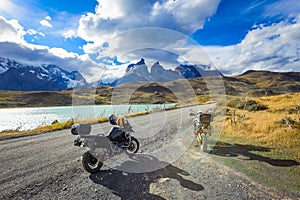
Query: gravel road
pixel 48 166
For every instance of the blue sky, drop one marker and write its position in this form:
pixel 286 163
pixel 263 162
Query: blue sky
pixel 88 35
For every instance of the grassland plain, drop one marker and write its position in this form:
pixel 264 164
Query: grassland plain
pixel 264 144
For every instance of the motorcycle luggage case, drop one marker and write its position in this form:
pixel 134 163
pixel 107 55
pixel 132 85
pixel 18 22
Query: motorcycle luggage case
pixel 116 134
pixel 98 141
pixel 81 129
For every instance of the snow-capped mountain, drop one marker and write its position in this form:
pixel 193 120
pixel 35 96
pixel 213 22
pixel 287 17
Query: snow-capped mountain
pixel 17 76
pixel 158 73
pixel 139 73
pixel 135 72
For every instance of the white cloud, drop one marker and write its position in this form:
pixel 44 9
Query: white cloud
pixel 274 48
pixel 48 18
pixel 11 30
pixel 195 55
pixel 62 53
pixel 125 43
pixel 45 23
pixel 188 15
pixel 69 34
pixel 114 16
pixel 34 32
pixel 113 72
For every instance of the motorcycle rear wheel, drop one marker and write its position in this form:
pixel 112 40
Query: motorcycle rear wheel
pixel 133 146
pixel 90 163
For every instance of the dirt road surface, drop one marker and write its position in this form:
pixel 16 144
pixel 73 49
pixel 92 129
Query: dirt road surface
pixel 48 166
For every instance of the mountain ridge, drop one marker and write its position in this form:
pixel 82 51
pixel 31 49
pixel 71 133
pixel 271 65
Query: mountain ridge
pixel 138 72
pixel 22 77
pixel 48 77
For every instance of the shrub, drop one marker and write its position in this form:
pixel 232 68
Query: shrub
pixel 254 106
pixel 233 103
pixel 250 105
pixel 286 120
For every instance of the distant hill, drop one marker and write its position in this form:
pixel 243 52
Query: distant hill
pixel 265 83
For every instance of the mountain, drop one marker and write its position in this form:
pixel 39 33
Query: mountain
pixel 158 73
pixel 135 73
pixel 139 73
pixel 21 77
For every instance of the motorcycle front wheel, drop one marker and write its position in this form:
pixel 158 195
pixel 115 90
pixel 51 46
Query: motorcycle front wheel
pixel 133 146
pixel 90 163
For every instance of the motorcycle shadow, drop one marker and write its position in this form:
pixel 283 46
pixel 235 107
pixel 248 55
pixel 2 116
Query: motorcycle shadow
pixel 137 185
pixel 243 151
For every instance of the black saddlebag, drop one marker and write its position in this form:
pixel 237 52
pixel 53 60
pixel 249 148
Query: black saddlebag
pixel 81 129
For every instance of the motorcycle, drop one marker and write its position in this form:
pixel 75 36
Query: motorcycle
pixel 202 128
pixel 101 147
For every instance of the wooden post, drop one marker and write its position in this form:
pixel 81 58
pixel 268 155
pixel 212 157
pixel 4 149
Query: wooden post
pixel 297 107
pixel 233 120
pixel 286 120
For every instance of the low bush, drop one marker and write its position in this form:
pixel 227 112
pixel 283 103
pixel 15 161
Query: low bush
pixel 250 105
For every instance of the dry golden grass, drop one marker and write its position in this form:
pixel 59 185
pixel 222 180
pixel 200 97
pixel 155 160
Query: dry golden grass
pixel 137 114
pixel 267 127
pixel 281 101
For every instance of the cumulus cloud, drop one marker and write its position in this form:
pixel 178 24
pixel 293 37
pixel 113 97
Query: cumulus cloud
pixel 69 34
pixel 274 48
pixel 114 16
pixel 11 30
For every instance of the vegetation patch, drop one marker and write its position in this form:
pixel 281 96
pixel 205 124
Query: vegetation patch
pixel 250 105
pixel 270 140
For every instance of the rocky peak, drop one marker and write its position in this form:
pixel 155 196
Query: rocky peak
pixel 141 62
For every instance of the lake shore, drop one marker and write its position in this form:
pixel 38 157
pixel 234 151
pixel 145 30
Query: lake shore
pixel 7 134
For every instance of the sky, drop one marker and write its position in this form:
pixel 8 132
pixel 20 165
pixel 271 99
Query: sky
pixel 100 38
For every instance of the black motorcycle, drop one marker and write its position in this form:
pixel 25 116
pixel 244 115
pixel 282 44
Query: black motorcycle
pixel 101 147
